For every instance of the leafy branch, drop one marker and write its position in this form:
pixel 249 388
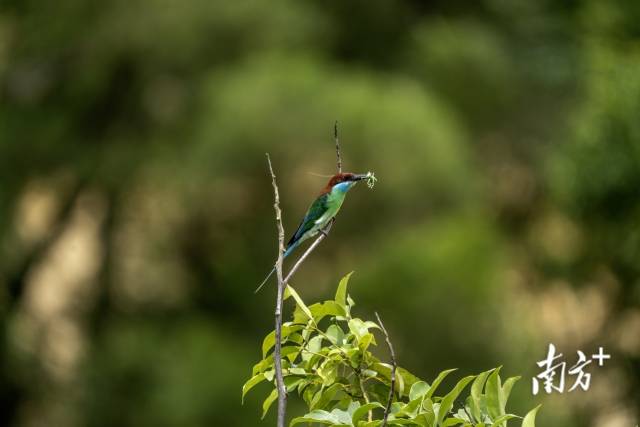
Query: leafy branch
pixel 327 359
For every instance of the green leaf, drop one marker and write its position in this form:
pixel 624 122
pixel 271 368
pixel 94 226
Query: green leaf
pixel 327 308
pixel 476 393
pixel 316 398
pixel 369 324
pixel 358 328
pixel 335 335
pixel 319 311
pixel 269 401
pixel 303 384
pixel 292 382
pixel 400 382
pixel 266 364
pixel 396 406
pixel 503 419
pixel 257 379
pixel 418 389
pixel 321 417
pixel 315 344
pixel 262 366
pixel 404 422
pixel 369 373
pixel 453 421
pixel 407 378
pixel 447 402
pixel 384 370
pixel 425 419
pixel 350 302
pixel 312 364
pixel 410 409
pixel 297 371
pixel 326 396
pixel 270 340
pixel 299 302
pixel 355 357
pixel 341 293
pixel 290 352
pixel 328 371
pixel 363 410
pixel 366 341
pixel 352 406
pixel 441 376
pixel 506 391
pixel 427 405
pixel 428 418
pixel 492 390
pixel 530 418
pixel 309 393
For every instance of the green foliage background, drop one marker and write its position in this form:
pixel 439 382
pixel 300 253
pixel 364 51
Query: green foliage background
pixel 136 211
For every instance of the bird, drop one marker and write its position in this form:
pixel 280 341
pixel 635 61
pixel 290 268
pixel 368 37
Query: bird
pixel 322 211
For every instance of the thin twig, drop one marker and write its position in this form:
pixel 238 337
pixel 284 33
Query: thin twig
pixel 364 394
pixel 315 243
pixel 393 371
pixel 325 231
pixel 282 391
pixel 335 137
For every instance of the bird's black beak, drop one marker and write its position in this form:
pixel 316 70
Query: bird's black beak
pixel 360 177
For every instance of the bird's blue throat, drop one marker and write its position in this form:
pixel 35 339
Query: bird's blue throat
pixel 343 187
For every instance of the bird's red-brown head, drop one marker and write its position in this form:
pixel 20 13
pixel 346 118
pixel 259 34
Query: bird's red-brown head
pixel 342 177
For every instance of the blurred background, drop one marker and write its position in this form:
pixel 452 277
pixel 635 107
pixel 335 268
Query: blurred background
pixel 136 212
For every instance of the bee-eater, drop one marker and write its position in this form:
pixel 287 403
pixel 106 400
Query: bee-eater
pixel 322 211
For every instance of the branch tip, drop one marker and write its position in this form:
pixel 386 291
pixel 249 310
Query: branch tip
pixel 337 141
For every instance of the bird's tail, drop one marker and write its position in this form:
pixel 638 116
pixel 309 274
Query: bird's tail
pixel 273 270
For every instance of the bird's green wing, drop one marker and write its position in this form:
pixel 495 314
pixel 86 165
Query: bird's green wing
pixel 316 210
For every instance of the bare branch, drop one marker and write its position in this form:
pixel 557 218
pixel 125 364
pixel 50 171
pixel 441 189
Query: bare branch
pixel 335 137
pixel 393 371
pixel 323 233
pixel 364 394
pixel 282 391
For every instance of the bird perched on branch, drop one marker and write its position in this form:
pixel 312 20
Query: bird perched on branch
pixel 323 210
